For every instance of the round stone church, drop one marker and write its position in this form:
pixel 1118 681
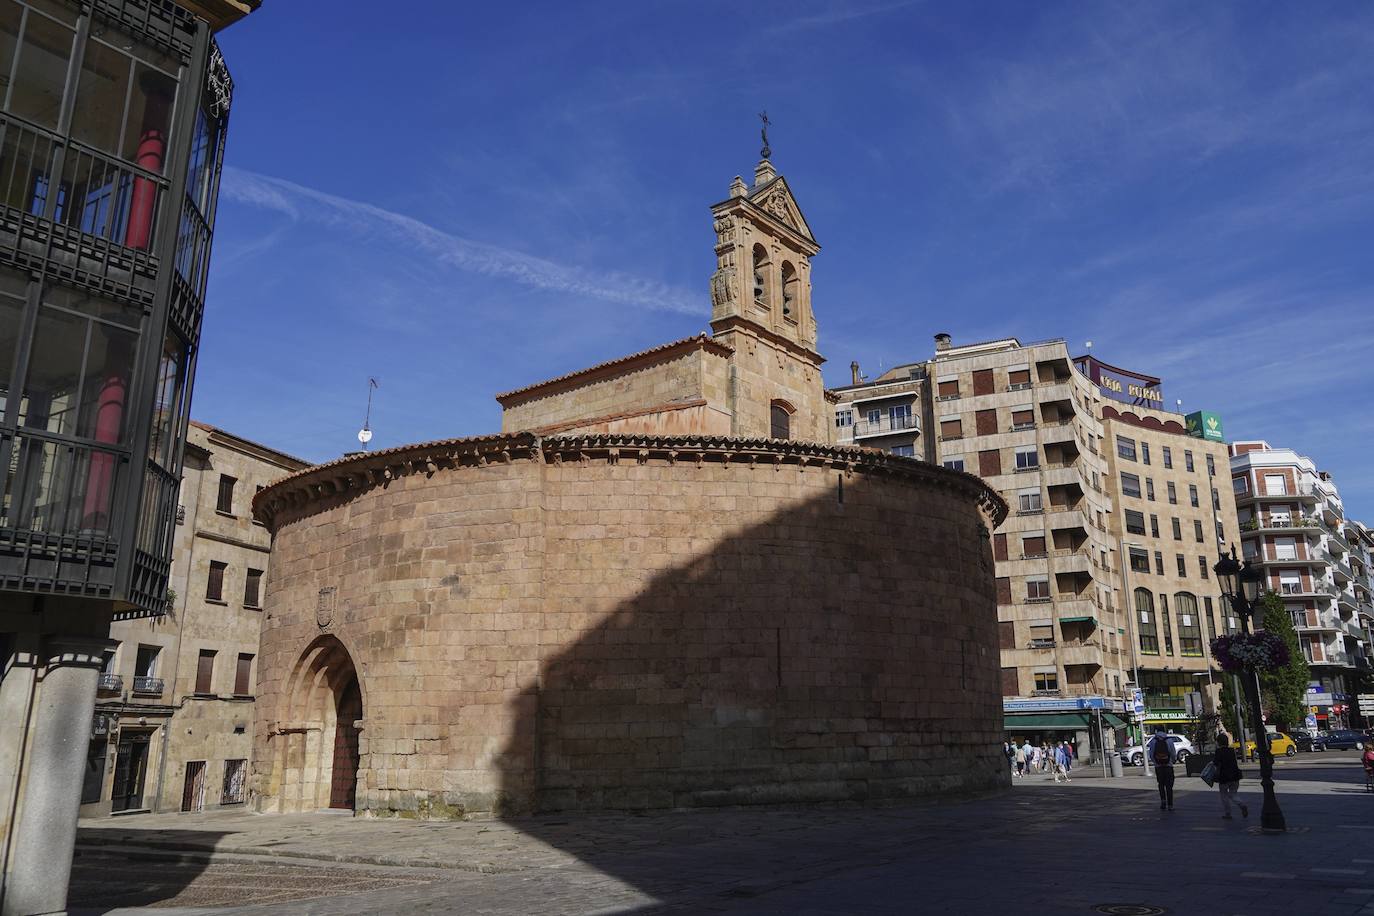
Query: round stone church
pixel 659 586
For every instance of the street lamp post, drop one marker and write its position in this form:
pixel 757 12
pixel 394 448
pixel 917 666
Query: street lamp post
pixel 1240 584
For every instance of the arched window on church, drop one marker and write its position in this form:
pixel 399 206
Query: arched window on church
pixel 761 276
pixel 780 421
pixel 790 285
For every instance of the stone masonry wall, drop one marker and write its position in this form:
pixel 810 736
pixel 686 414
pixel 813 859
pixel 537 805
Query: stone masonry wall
pixel 674 378
pixel 766 371
pixel 597 631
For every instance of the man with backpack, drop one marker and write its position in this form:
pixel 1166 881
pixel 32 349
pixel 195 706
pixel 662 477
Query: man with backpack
pixel 1160 752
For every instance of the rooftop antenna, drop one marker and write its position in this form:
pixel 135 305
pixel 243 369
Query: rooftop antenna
pixel 767 151
pixel 365 434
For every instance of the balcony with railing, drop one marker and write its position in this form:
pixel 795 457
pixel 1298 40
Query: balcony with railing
pixel 886 425
pixel 1081 652
pixel 1060 474
pixel 93 214
pixel 1282 524
pixel 109 683
pixel 1070 561
pixel 1303 493
pixel 57 513
pixel 1065 518
pixel 1340 570
pixel 1057 430
pixel 148 686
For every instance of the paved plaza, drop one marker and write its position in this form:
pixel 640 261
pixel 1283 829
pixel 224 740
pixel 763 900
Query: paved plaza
pixel 1039 846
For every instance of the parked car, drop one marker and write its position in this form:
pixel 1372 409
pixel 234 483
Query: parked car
pixel 1305 740
pixel 1343 739
pixel 1135 756
pixel 1280 745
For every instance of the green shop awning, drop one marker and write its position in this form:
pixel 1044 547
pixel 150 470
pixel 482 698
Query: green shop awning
pixel 1060 720
pixel 1047 720
pixel 1092 620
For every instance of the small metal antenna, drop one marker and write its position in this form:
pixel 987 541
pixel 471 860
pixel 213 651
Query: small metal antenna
pixel 365 434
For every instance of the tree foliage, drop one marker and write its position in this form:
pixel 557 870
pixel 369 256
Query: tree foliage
pixel 1284 690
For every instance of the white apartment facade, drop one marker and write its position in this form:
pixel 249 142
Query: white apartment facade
pixel 1293 525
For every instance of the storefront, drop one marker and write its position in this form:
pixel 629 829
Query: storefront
pixel 1085 722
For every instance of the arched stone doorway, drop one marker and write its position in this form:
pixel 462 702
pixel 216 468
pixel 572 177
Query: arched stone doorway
pixel 319 756
pixel 343 779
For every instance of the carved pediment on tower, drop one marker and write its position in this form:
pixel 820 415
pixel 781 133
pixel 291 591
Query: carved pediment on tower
pixel 776 199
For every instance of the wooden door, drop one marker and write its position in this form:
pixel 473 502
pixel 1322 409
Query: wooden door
pixel 343 787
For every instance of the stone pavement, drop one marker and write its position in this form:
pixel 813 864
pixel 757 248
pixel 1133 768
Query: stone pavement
pixel 1065 848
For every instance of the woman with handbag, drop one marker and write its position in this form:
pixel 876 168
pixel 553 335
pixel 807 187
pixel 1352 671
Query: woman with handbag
pixel 1227 776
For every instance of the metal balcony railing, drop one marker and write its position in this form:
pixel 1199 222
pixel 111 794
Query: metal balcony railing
pixel 884 425
pixel 52 177
pixel 148 686
pixel 110 683
pixel 57 522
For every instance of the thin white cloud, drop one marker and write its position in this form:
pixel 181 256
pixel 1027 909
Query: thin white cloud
pixel 304 204
pixel 840 14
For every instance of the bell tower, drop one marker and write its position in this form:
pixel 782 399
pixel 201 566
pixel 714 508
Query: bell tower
pixel 761 307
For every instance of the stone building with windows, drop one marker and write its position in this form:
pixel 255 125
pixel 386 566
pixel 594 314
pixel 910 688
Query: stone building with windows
pixel 661 585
pixel 113 116
pixel 1173 517
pixel 885 414
pixel 1293 525
pixel 174 708
pixel 1104 563
pixel 1019 416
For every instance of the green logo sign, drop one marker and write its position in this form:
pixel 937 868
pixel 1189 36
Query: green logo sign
pixel 1203 424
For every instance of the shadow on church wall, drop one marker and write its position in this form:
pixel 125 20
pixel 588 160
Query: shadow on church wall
pixel 840 649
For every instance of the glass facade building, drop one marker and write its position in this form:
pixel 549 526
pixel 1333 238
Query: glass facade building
pixel 112 125
pixel 112 133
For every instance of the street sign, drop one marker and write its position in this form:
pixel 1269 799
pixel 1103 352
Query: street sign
pixel 1311 723
pixel 1367 704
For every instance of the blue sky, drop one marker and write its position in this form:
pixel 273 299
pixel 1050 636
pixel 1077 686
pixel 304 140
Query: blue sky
pixel 466 198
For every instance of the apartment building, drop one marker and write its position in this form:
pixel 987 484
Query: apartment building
pixel 174 709
pixel 1019 416
pixel 1293 524
pixel 884 414
pixel 1173 517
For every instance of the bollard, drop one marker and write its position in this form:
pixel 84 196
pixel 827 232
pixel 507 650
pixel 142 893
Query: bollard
pixel 1116 765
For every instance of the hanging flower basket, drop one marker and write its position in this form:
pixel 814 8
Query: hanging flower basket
pixel 1263 651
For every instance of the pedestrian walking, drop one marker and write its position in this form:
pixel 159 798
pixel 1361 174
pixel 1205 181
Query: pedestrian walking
pixel 1160 751
pixel 1035 758
pixel 1061 763
pixel 1021 758
pixel 1367 758
pixel 1010 754
pixel 1228 776
pixel 1068 756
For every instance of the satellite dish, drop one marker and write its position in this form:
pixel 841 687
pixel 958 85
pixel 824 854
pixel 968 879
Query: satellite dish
pixel 364 435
